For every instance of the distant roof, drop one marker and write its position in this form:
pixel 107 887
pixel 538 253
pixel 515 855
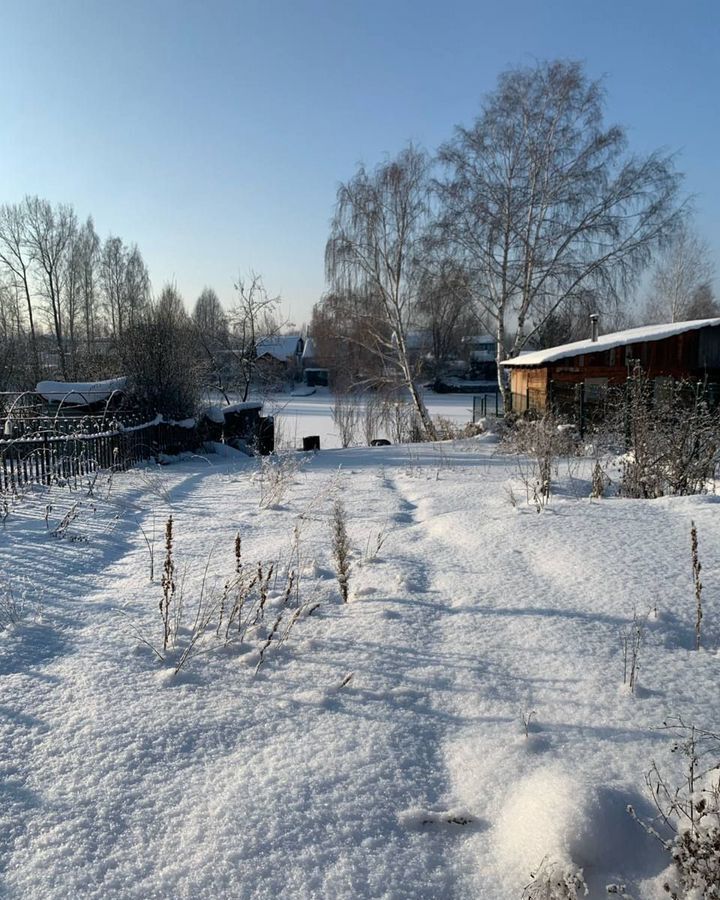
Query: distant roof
pixel 479 339
pixel 280 346
pixel 608 342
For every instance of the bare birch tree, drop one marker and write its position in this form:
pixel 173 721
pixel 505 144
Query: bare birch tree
pixel 113 262
pixel 15 256
pixel 88 259
pixel 254 315
pixel 136 286
pixel 540 200
pixel 50 231
pixel 374 246
pixel 211 330
pixel 683 269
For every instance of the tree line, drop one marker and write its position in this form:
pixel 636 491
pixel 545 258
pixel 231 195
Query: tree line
pixel 522 223
pixel 78 308
pixel 62 289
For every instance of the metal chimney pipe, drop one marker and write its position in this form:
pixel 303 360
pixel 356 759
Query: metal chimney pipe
pixel 594 327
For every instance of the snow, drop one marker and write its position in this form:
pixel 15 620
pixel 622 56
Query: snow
pixel 217 413
pixel 379 750
pixel 79 393
pixel 609 341
pixel 302 414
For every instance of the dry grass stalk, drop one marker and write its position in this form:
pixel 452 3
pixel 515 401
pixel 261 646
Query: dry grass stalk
pixel 168 583
pixel 697 569
pixel 341 548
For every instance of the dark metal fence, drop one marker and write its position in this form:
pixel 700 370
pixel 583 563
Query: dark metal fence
pixel 487 405
pixel 48 458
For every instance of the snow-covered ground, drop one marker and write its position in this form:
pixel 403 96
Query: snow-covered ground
pixel 379 749
pixel 300 416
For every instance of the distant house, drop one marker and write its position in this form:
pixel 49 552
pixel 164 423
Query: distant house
pixel 481 354
pixel 279 356
pixel 675 350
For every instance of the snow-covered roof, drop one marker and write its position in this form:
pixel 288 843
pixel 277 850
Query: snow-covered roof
pixel 79 393
pixel 217 413
pixel 281 346
pixel 609 341
pixel 309 351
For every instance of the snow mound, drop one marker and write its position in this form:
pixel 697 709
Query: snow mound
pixel 554 819
pixel 80 393
pixel 545 817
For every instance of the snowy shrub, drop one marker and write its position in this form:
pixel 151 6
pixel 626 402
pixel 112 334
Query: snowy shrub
pixel 539 443
pixel 690 813
pixel 160 355
pixel 61 529
pixel 447 430
pixel 375 543
pixel 346 416
pixel 671 437
pixel 555 881
pixel 372 418
pixel 600 481
pixel 156 484
pixel 13 607
pixel 401 422
pixel 275 475
pixel 341 548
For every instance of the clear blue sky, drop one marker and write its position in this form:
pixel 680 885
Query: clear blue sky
pixel 214 133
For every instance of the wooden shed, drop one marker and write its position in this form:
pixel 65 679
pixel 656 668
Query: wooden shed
pixel 674 350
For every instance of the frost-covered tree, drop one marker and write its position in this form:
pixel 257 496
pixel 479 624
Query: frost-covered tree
pixel 375 246
pixel 540 200
pixel 681 279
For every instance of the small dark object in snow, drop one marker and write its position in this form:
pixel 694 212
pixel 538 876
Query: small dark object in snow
pixel 459 820
pixel 312 442
pixel 380 442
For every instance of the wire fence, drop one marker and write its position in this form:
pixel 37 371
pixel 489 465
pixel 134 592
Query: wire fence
pixel 53 457
pixel 488 404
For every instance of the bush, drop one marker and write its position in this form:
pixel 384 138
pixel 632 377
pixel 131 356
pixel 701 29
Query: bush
pixel 541 441
pixel 690 812
pixel 160 355
pixel 671 437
